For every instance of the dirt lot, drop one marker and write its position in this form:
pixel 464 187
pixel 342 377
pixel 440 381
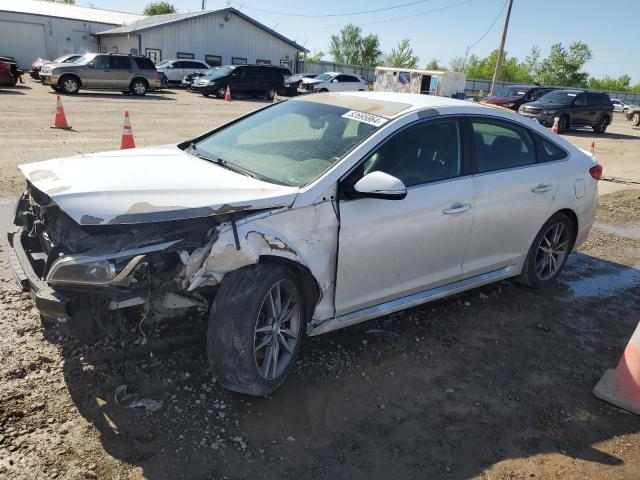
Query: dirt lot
pixel 492 384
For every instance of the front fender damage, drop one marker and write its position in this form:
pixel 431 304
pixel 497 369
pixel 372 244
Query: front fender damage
pixel 306 235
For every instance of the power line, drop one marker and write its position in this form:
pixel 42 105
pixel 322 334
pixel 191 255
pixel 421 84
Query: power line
pixel 490 28
pixel 286 14
pixel 418 14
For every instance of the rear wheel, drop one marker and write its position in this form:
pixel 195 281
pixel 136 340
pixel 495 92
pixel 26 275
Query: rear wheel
pixel 548 252
pixel 138 87
pixel 69 85
pixel 601 125
pixel 256 327
pixel 635 119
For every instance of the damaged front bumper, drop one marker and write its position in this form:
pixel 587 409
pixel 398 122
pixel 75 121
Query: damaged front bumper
pixel 48 301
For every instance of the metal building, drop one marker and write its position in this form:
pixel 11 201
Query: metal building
pixel 30 29
pixel 219 37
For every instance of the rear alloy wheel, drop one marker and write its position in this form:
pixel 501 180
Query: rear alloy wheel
pixel 602 125
pixel 256 326
pixel 69 85
pixel 549 252
pixel 138 88
pixel 635 119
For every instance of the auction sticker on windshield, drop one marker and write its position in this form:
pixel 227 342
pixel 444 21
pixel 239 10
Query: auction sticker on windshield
pixel 374 120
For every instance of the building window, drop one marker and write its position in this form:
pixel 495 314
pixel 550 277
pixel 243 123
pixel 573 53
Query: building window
pixel 134 51
pixel 263 62
pixel 238 61
pixel 213 60
pixel 155 54
pixel 285 63
pixel 188 56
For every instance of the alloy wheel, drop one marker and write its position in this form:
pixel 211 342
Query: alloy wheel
pixel 139 88
pixel 276 331
pixel 70 85
pixel 552 251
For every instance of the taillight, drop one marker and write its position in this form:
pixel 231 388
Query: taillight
pixel 5 66
pixel 596 171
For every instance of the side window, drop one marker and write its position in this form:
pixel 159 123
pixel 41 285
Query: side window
pixel 179 64
pixel 593 99
pixel 101 61
pixel 581 100
pixel 427 152
pixel 343 78
pixel 144 63
pixel 499 145
pixel 120 63
pixel 548 151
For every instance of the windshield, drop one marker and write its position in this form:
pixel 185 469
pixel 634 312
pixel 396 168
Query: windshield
pixel 220 72
pixel 558 96
pixel 84 59
pixel 510 92
pixel 324 77
pixel 291 143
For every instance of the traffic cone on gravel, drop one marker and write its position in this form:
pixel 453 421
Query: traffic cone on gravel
pixel 556 122
pixel 622 385
pixel 127 134
pixel 227 95
pixel 592 148
pixel 61 120
pixel 276 99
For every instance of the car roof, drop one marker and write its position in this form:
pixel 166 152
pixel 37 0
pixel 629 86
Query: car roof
pixel 387 104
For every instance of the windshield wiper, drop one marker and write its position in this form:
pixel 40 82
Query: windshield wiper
pixel 193 150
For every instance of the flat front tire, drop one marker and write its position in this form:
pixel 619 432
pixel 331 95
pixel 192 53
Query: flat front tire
pixel 256 325
pixel 548 252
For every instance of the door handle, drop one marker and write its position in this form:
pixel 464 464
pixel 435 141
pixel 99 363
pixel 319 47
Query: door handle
pixel 459 208
pixel 541 188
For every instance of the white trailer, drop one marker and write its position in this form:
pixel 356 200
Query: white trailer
pixel 429 82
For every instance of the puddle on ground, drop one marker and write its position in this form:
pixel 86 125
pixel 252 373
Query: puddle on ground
pixel 630 230
pixel 592 277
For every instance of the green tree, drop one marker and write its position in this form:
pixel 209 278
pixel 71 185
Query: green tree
pixel 483 68
pixel 434 64
pixel 315 58
pixel 563 66
pixel 622 83
pixel 159 8
pixel 402 56
pixel 457 64
pixel 349 46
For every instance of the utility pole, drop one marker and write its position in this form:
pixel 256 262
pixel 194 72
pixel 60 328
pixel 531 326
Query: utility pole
pixel 204 2
pixel 496 73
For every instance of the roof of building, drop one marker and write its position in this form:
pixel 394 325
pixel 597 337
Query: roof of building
pixel 63 10
pixel 155 21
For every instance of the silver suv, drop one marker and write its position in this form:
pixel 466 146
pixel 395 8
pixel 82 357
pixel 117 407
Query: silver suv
pixel 126 73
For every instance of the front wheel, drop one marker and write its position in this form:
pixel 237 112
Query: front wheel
pixel 635 119
pixel 548 252
pixel 602 125
pixel 69 85
pixel 221 92
pixel 256 326
pixel 563 124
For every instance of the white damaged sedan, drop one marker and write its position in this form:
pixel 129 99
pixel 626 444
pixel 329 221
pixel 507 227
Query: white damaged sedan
pixel 303 217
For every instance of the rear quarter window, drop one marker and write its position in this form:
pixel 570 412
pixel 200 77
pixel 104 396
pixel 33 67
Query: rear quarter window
pixel 144 63
pixel 548 151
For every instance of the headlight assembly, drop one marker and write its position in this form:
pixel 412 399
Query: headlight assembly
pixel 510 104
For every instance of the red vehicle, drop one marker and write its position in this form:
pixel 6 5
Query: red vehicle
pixel 10 74
pixel 36 66
pixel 513 96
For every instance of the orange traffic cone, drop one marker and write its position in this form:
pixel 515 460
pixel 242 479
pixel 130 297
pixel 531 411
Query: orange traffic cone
pixel 127 135
pixel 276 99
pixel 61 120
pixel 592 148
pixel 622 385
pixel 555 129
pixel 227 95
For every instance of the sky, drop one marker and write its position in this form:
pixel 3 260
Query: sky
pixel 443 29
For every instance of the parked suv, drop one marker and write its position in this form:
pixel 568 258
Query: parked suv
pixel 176 70
pixel 574 108
pixel 333 82
pixel 513 96
pixel 127 73
pixel 244 79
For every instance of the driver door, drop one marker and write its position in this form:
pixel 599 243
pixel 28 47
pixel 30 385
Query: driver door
pixel 99 74
pixel 389 249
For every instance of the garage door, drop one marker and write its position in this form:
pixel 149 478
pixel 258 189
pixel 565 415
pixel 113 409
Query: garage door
pixel 24 41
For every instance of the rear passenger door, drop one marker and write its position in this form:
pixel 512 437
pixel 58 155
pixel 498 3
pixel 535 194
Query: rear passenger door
pixel 121 71
pixel 580 114
pixel 514 194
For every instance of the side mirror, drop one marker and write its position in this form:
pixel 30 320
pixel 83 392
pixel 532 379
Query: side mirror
pixel 380 185
pixel 335 80
pixel 91 65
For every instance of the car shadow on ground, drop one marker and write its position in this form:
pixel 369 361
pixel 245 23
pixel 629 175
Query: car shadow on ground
pixel 605 135
pixel 4 91
pixel 109 95
pixel 443 390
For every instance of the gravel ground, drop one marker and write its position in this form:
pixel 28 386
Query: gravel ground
pixel 493 383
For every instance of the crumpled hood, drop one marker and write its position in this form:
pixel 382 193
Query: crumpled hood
pixel 151 184
pixel 312 80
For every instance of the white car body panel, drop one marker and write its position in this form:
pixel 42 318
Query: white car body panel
pixel 390 254
pixel 177 74
pixel 331 86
